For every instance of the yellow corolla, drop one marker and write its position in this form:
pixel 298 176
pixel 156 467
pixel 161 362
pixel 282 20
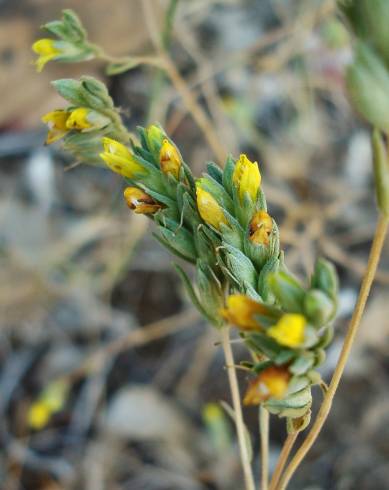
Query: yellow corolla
pixel 289 330
pixel 78 119
pixel 209 208
pixel 140 201
pixel 120 160
pixel 56 122
pixel 272 382
pixel 169 159
pixel 46 50
pixel 246 177
pixel 240 311
pixel 260 228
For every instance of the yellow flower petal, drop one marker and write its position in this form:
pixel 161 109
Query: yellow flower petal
pixel 209 209
pixel 78 119
pixel 246 177
pixel 289 330
pixel 240 311
pixel 169 159
pixel 56 122
pixel 270 383
pixel 260 228
pixel 120 160
pixel 46 50
pixel 38 415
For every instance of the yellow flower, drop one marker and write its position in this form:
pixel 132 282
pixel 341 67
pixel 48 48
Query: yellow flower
pixel 289 330
pixel 140 202
pixel 209 209
pixel 120 160
pixel 46 50
pixel 38 415
pixel 169 159
pixel 260 228
pixel 270 383
pixel 78 119
pixel 240 311
pixel 246 177
pixel 56 122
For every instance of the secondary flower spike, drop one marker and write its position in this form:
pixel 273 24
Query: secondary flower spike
pixel 289 330
pixel 120 160
pixel 272 382
pixel 260 228
pixel 246 177
pixel 241 310
pixel 139 201
pixel 169 159
pixel 209 208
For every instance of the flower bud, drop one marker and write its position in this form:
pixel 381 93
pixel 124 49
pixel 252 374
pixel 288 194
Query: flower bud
pixel 318 307
pixel 169 159
pixel 209 209
pixel 155 137
pixel 241 310
pixel 260 228
pixel 289 330
pixel 287 290
pixel 246 178
pixel 272 382
pixel 120 160
pixel 368 86
pixel 139 201
pixel 56 122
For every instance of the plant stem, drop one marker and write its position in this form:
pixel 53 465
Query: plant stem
pixel 375 253
pixel 284 455
pixel 264 434
pixel 240 428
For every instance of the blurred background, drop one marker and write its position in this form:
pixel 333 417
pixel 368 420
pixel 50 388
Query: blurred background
pixel 92 314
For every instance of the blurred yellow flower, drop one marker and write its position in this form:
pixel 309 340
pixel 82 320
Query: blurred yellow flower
pixel 289 330
pixel 240 311
pixel 120 160
pixel 169 159
pixel 139 201
pixel 209 209
pixel 38 415
pixel 246 177
pixel 56 122
pixel 47 50
pixel 270 383
pixel 260 228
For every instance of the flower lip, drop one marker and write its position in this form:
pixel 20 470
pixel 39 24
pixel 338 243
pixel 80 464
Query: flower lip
pixel 47 50
pixel 56 122
pixel 140 202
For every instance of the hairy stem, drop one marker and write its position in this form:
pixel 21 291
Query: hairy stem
pixel 235 395
pixel 374 257
pixel 264 434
